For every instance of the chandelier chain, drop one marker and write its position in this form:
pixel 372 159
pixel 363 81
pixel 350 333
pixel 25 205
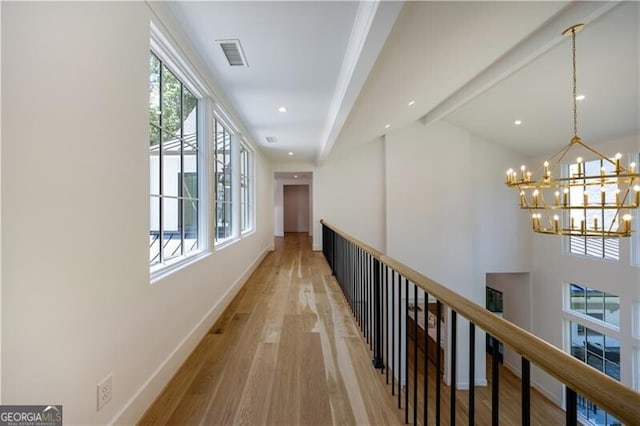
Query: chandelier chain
pixel 575 93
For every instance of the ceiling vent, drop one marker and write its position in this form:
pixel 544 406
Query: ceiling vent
pixel 271 139
pixel 232 50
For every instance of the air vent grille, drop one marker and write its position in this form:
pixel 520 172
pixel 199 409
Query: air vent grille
pixel 271 139
pixel 232 50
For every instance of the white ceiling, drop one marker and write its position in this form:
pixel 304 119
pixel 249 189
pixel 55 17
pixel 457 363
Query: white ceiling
pixel 540 94
pixel 434 49
pixel 344 73
pixel 298 56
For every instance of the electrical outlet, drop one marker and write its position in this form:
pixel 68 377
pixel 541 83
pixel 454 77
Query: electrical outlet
pixel 105 392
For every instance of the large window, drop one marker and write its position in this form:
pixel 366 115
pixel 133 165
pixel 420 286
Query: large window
pixel 246 176
pixel 596 304
pixel 174 169
pixel 598 348
pixel 606 248
pixel 223 183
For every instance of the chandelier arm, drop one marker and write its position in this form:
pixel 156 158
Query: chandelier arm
pixel 560 154
pixel 613 221
pixel 601 156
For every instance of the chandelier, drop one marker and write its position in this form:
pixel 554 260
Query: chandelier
pixel 593 197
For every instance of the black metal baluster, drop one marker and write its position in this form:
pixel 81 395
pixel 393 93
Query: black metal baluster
pixel 406 352
pixel 495 382
pixel 370 298
pixel 571 406
pixel 349 275
pixel 415 354
pixel 363 327
pixel 393 331
pixel 357 301
pixel 400 341
pixel 454 365
pixel 386 318
pixel 425 396
pixel 526 392
pixel 472 374
pixel 367 325
pixel 334 248
pixel 438 359
pixel 377 315
pixel 352 284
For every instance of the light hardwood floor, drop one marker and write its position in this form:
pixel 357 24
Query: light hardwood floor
pixel 287 351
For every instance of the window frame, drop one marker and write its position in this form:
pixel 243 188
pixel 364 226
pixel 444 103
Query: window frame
pixel 247 202
pixel 230 131
pixel 585 322
pixel 173 59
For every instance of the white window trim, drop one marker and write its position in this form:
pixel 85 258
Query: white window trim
pixel 159 272
pixel 222 117
pixel 635 320
pixel 251 182
pixel 166 51
pixel 635 241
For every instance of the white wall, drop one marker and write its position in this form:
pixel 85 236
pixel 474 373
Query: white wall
pixel 77 302
pixel 296 208
pixel 1 314
pixel 445 208
pixel 349 193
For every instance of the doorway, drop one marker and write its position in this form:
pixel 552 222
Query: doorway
pixel 296 208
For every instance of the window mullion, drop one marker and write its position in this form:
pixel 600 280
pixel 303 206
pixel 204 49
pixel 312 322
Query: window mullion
pixel 181 218
pixel 160 167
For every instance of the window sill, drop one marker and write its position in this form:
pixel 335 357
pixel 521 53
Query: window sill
pixel 591 322
pixel 247 233
pixel 222 244
pixel 159 272
pixel 590 257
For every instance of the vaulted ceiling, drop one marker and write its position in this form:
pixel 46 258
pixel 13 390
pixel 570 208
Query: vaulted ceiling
pixel 346 70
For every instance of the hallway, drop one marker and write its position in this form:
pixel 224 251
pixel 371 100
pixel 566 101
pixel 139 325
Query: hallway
pixel 286 351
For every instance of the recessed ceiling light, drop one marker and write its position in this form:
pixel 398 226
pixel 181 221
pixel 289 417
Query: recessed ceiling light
pixel 517 122
pixel 282 109
pixel 411 103
pixel 295 176
pixel 580 97
pixel 386 126
pixel 290 153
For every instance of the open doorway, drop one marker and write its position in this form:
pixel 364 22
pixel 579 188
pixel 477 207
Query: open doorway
pixel 293 202
pixel 508 295
pixel 296 208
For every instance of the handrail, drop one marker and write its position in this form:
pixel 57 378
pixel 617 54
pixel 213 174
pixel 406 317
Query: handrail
pixel 606 392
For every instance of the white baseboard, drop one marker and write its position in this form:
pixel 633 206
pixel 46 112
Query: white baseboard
pixel 317 247
pixel 465 385
pixel 550 396
pixel 537 386
pixel 138 404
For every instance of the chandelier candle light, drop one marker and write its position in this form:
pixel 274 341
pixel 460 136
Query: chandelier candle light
pixel 576 193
